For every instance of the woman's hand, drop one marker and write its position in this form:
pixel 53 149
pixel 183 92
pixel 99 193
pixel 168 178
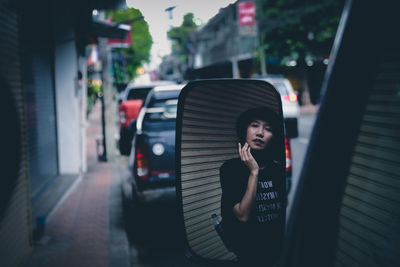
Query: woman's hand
pixel 248 159
pixel 243 209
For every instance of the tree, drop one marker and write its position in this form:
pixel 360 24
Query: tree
pixel 139 51
pixel 302 29
pixel 307 26
pixel 180 36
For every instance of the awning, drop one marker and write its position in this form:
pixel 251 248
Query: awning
pixel 109 30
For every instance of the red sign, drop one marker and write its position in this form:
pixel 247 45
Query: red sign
pixel 121 43
pixel 247 13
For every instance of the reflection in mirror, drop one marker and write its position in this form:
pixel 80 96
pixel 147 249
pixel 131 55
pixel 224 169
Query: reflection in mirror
pixel 230 170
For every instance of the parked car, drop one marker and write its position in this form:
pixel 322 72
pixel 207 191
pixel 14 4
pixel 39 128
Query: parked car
pixel 152 158
pixel 290 103
pixel 130 104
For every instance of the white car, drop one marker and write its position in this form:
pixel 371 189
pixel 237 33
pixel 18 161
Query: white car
pixel 290 103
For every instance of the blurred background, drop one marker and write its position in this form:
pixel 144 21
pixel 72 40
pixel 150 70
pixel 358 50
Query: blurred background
pixel 68 190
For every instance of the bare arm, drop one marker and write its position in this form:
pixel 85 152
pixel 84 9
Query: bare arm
pixel 243 208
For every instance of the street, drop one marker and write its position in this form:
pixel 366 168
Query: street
pixel 155 232
pixel 299 149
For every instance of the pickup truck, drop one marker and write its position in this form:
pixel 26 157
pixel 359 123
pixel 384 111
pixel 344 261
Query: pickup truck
pixel 129 107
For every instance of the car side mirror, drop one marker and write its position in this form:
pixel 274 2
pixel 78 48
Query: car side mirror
pixel 210 115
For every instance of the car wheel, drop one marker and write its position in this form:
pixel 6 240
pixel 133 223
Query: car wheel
pixel 131 214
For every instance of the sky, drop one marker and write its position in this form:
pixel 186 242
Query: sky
pixel 159 22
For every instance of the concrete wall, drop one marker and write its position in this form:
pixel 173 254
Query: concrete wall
pixel 67 95
pixel 83 107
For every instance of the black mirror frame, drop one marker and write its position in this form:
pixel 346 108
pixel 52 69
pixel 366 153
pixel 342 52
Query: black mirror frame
pixel 178 181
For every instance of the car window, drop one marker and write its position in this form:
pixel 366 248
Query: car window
pixel 161 110
pixel 135 94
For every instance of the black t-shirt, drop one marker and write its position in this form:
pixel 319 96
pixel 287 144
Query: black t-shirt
pixel 259 239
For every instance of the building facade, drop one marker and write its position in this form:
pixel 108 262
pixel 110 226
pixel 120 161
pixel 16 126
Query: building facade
pixel 42 77
pixel 224 47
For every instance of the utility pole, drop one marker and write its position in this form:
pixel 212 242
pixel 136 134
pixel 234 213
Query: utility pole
pixel 261 47
pixel 109 108
pixel 262 63
pixel 176 62
pixel 235 56
pixel 235 67
pixel 169 10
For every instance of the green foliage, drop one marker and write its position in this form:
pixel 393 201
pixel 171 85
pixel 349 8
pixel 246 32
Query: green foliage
pixel 302 27
pixel 94 89
pixel 119 66
pixel 181 36
pixel 139 51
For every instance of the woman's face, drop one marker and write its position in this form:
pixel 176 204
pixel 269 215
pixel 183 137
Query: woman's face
pixel 259 134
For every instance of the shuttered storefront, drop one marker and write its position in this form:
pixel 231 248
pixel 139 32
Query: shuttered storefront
pixel 15 220
pixel 370 213
pixel 38 52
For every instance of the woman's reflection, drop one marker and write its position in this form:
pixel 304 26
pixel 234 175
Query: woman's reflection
pixel 252 204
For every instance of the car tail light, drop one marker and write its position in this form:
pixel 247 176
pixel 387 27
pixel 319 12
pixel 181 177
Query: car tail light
pixel 122 116
pixel 288 154
pixel 141 163
pixel 290 97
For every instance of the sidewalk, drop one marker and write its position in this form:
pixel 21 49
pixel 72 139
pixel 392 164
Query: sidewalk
pixel 309 109
pixel 87 227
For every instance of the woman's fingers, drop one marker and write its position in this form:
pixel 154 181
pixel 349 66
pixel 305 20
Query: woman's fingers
pixel 248 153
pixel 244 153
pixel 240 151
pixel 247 157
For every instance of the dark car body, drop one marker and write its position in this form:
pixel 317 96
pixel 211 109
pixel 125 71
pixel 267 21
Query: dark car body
pixel 129 108
pixel 152 158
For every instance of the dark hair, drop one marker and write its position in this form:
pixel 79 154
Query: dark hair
pixel 274 150
pixel 259 113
